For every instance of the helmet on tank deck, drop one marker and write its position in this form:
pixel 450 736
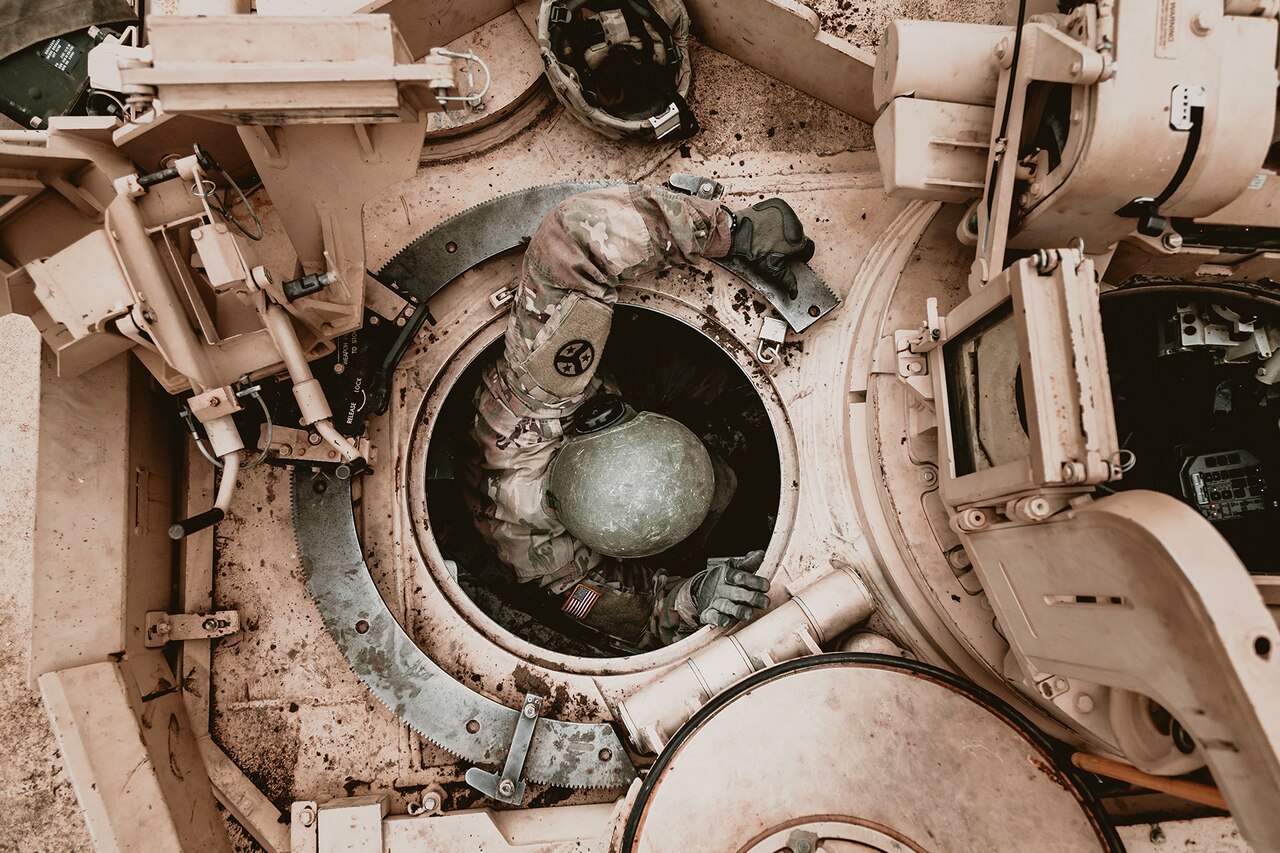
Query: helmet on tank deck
pixel 620 66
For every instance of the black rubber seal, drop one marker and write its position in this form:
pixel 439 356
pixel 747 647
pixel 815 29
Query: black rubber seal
pixel 1052 749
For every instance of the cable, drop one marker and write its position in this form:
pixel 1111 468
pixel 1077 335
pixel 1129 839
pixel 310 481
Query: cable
pixel 220 205
pixel 266 445
pixel 1008 101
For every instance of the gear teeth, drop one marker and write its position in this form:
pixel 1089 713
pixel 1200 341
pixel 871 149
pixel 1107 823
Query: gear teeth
pixel 580 186
pixel 393 667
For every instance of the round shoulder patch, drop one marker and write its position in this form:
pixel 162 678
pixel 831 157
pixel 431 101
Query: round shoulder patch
pixel 575 358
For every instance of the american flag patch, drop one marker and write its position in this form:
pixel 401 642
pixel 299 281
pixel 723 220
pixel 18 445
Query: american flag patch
pixel 580 601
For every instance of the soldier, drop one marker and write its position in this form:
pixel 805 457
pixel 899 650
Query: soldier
pixel 571 485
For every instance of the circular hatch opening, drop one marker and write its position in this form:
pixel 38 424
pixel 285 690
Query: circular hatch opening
pixel 659 364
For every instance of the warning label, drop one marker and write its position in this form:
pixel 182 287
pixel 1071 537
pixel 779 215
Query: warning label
pixel 1167 30
pixel 61 54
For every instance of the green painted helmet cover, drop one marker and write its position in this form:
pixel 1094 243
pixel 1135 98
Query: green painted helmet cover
pixel 633 488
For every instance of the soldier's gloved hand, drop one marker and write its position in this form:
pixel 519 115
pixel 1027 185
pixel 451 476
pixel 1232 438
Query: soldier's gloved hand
pixel 730 591
pixel 768 235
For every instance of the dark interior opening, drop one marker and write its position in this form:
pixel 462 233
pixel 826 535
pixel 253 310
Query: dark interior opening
pixel 1200 429
pixel 660 365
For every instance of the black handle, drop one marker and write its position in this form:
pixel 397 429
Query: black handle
pixel 347 470
pixel 195 523
pixel 149 181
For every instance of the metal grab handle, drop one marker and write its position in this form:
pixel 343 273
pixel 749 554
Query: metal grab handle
pixel 195 523
pixel 210 517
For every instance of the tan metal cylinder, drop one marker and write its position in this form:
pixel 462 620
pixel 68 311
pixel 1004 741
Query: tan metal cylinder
pixel 939 61
pixel 871 643
pixel 167 320
pixel 815 614
pixel 312 403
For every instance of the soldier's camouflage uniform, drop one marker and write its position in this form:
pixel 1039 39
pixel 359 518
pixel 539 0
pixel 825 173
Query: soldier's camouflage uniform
pixel 556 331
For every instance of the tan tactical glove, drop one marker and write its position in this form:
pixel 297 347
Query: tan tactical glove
pixel 729 591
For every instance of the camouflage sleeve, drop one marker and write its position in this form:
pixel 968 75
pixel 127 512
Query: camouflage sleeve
pixel 581 252
pixel 584 248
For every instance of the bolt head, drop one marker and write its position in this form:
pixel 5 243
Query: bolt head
pixel 430 802
pixel 163 628
pixel 530 712
pixel 506 787
pixel 1172 240
pixel 209 624
pixel 307 817
pixel 339 368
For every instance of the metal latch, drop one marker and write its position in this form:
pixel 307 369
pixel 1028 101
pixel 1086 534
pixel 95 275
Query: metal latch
pixel 667 123
pixel 772 333
pixel 696 185
pixel 506 787
pixel 165 627
pixel 500 299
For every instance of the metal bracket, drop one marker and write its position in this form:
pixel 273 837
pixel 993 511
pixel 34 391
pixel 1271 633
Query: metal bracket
pixel 507 787
pixel 165 627
pixel 500 299
pixel 913 367
pixel 696 185
pixel 667 123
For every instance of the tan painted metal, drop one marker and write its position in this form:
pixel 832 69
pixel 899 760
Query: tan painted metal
pixel 817 613
pixel 873 520
pixel 130 756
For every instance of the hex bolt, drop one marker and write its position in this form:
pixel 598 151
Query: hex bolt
pixel 1172 241
pixel 307 816
pixel 209 624
pixel 339 368
pixel 314 438
pixel 801 841
pixel 506 787
pixel 959 559
pixel 430 802
pixel 530 712
pixel 163 628
pixel 928 476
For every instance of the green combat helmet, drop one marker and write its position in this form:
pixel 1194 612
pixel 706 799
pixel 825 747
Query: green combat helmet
pixel 620 66
pixel 630 484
